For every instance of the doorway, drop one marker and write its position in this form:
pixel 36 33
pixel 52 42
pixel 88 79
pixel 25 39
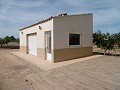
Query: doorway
pixel 32 44
pixel 48 45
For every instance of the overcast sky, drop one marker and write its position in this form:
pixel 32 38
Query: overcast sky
pixel 16 14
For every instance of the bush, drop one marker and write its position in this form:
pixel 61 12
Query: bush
pixel 10 47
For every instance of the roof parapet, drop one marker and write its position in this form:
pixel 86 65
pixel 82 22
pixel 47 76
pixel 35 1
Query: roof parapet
pixel 63 14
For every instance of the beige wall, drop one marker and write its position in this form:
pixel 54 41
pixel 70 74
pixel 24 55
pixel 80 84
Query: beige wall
pixel 76 24
pixel 47 26
pixel 24 49
pixel 41 53
pixel 71 53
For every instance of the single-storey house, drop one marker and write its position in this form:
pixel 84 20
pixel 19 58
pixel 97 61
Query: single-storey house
pixel 59 38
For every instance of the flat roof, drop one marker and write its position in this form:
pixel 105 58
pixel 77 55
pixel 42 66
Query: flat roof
pixel 50 18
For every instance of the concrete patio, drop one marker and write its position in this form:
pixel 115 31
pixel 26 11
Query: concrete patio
pixel 47 65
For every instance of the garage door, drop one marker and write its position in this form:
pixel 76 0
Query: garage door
pixel 32 44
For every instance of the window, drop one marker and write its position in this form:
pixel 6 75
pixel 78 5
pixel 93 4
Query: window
pixel 74 39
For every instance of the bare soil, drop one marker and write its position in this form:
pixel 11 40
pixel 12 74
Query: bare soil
pixel 97 50
pixel 13 71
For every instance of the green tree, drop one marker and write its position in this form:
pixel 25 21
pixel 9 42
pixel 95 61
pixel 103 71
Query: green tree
pixel 1 42
pixel 103 40
pixel 12 38
pixel 17 40
pixel 7 39
pixel 118 41
pixel 107 42
pixel 116 37
pixel 98 38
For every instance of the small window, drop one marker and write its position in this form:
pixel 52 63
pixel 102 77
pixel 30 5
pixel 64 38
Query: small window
pixel 74 39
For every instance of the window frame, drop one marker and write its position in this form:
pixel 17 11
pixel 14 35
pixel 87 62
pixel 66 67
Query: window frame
pixel 80 40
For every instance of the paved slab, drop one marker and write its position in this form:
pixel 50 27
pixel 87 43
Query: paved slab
pixel 101 73
pixel 47 65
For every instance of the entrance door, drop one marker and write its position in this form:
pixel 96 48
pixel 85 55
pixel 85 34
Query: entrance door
pixel 32 44
pixel 48 46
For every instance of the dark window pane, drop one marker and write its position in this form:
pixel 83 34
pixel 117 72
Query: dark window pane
pixel 74 39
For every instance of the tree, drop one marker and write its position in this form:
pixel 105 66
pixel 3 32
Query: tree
pixel 1 42
pixel 116 37
pixel 12 39
pixel 103 40
pixel 119 40
pixel 17 40
pixel 107 42
pixel 7 39
pixel 98 38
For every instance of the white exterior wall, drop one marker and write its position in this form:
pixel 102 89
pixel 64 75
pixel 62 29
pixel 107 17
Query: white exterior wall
pixel 76 24
pixel 47 26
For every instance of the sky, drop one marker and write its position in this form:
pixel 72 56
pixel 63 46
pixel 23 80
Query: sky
pixel 16 14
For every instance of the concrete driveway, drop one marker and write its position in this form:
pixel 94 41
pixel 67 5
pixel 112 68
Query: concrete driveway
pixel 101 73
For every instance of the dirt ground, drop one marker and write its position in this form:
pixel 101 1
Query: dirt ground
pixel 13 71
pixel 101 73
pixel 108 52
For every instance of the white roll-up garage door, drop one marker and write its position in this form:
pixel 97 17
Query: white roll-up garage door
pixel 32 44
